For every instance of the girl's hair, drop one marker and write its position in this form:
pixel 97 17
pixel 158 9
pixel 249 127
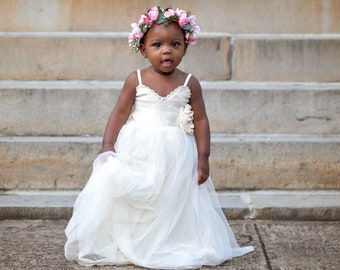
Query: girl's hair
pixel 166 16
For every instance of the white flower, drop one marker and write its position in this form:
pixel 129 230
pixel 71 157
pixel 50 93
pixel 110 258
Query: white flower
pixel 186 117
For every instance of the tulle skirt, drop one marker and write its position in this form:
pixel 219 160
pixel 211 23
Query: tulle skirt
pixel 142 205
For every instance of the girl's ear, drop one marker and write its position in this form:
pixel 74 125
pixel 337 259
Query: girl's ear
pixel 185 49
pixel 142 50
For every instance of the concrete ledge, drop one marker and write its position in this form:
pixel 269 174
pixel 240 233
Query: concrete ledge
pixel 290 205
pixel 232 107
pixel 36 204
pixel 287 59
pixel 46 163
pixel 100 56
pixel 275 161
pixel 259 205
pixel 237 162
pixel 90 55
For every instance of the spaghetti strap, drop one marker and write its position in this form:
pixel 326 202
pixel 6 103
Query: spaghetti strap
pixel 139 77
pixel 187 79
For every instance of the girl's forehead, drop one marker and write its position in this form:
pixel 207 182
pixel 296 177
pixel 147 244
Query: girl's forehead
pixel 162 30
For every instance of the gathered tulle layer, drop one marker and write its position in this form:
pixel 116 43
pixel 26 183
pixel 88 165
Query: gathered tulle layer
pixel 145 207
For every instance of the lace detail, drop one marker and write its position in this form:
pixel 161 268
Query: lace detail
pixel 186 117
pixel 168 96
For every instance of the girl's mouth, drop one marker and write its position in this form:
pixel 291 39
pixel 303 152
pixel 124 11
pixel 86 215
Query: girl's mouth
pixel 167 62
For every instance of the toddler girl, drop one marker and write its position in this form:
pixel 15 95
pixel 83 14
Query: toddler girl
pixel 150 200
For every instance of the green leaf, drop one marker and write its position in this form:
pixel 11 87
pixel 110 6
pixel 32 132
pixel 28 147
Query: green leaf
pixel 144 28
pixel 161 19
pixel 187 27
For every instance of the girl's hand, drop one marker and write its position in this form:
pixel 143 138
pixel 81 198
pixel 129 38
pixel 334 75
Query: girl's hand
pixel 203 169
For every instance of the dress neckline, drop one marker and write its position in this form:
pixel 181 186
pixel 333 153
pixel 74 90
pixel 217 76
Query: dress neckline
pixel 155 93
pixel 170 94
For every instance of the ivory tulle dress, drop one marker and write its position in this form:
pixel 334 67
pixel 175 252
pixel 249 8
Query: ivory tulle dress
pixel 142 204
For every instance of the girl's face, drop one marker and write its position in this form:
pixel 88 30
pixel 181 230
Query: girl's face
pixel 164 46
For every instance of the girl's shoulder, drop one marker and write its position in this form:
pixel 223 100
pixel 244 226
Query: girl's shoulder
pixel 194 84
pixel 131 82
pixel 132 78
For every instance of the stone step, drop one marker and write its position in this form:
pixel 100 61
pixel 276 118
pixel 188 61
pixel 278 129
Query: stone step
pixel 81 108
pixel 313 58
pixel 242 16
pixel 99 56
pixel 265 205
pixel 238 162
pixel 93 56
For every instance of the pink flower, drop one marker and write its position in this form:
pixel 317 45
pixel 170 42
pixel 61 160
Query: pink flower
pixel 153 14
pixel 197 30
pixel 169 13
pixel 192 20
pixel 136 32
pixel 144 20
pixel 182 17
pixel 180 12
pixel 182 21
pixel 190 41
pixel 131 37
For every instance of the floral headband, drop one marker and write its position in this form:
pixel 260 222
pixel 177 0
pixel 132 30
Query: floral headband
pixel 164 16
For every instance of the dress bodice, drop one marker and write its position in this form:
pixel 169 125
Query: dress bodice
pixel 153 109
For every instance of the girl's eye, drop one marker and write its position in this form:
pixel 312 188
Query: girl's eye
pixel 156 45
pixel 175 44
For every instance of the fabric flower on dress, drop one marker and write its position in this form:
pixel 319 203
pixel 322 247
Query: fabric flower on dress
pixel 186 117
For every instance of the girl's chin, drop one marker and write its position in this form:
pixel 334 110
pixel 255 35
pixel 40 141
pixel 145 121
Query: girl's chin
pixel 166 69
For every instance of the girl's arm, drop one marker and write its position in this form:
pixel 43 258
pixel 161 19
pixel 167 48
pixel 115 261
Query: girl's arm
pixel 201 130
pixel 120 113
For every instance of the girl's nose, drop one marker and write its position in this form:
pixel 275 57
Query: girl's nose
pixel 167 49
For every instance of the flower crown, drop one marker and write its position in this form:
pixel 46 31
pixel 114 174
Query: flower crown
pixel 164 16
